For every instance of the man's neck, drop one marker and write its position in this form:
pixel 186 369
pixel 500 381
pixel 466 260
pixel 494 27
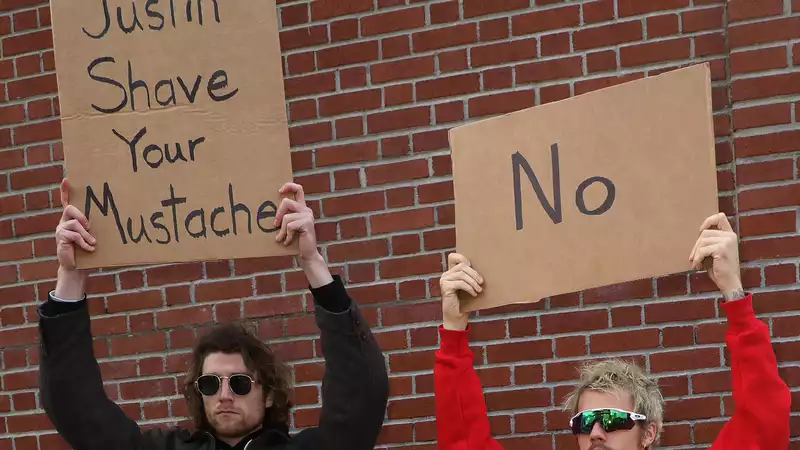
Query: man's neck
pixel 237 443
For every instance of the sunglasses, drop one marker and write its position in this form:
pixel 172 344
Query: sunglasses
pixel 610 419
pixel 209 384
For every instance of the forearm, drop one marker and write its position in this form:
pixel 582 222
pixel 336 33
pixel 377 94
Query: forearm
pixel 70 284
pixel 316 271
pixel 761 396
pixel 461 417
pixel 356 385
pixel 72 388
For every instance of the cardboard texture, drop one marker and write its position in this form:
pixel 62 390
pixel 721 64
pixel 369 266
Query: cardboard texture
pixel 650 142
pixel 199 83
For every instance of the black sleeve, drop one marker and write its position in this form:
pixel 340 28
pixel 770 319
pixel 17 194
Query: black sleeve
pixel 355 387
pixel 71 386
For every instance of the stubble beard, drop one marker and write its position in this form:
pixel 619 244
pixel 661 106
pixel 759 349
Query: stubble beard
pixel 232 427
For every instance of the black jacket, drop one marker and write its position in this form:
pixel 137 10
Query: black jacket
pixel 354 387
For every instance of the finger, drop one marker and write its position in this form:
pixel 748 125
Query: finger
pixel 703 253
pixel 705 242
pixel 293 228
pixel 463 267
pixel 461 285
pixel 454 259
pixel 64 193
pixel 73 213
pixel 288 219
pixel 74 225
pixel 73 236
pixel 718 221
pixel 287 206
pixel 463 276
pixel 297 190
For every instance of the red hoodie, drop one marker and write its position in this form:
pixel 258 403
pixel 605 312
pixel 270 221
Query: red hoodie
pixel 760 420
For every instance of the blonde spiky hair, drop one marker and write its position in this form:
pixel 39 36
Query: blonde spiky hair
pixel 615 375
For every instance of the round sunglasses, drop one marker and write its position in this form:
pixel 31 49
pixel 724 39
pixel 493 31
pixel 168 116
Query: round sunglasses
pixel 610 419
pixel 209 384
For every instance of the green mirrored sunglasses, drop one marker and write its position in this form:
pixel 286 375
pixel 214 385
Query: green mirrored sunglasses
pixel 610 419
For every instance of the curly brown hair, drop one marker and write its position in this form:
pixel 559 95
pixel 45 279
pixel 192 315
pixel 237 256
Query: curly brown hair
pixel 269 371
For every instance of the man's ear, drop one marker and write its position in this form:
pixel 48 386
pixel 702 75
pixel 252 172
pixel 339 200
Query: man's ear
pixel 649 435
pixel 269 400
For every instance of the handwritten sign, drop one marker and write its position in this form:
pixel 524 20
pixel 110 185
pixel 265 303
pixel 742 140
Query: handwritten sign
pixel 602 188
pixel 174 127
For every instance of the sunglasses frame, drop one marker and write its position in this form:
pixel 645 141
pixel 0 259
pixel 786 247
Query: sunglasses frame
pixel 636 417
pixel 219 382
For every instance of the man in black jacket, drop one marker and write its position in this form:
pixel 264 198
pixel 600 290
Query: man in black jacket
pixel 237 391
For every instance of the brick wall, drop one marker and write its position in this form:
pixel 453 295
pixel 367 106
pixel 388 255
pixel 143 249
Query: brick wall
pixel 372 87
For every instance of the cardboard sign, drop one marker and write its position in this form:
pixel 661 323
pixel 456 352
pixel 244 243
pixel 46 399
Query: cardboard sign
pixel 174 127
pixel 607 187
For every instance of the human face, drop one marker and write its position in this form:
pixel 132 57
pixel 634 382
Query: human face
pixel 232 416
pixel 637 438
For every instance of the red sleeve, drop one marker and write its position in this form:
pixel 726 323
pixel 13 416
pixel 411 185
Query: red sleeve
pixel 761 416
pixel 461 421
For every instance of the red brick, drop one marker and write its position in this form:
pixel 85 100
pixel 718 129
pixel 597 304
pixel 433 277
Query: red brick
pixel 598 11
pixel 29 87
pixel 739 10
pixel 292 15
pixel 37 132
pixel 452 36
pixel 11 158
pixel 347 54
pixel 607 35
pixel 761 116
pixel 350 102
pixel 780 274
pixel 353 204
pixel 311 133
pixel 702 19
pixel 764 31
pixel 624 341
pixel 28 65
pixel 299 63
pixel 303 37
pixel 555 44
pixel 509 352
pixel 223 290
pixel 772 143
pixel 29 42
pixel 402 69
pixel 451 61
pixel 503 52
pixel 394 47
pixel 546 19
pixel 494 29
pixel 636 7
pixel 473 8
pixel 36 177
pixel 352 251
pixel 660 26
pixel 448 86
pixel 773 223
pixel 394 172
pixel 347 153
pixel 414 265
pixel 758 60
pixel 411 313
pixel 272 306
pixel 344 30
pixel 393 21
pixel 401 220
pixel 446 11
pixel 310 84
pixel 399 119
pixel 550 70
pixel 574 321
pixel 601 61
pixel 174 273
pixel 651 52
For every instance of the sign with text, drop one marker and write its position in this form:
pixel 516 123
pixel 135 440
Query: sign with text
pixel 603 188
pixel 174 127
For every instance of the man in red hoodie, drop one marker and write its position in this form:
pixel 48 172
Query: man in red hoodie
pixel 616 405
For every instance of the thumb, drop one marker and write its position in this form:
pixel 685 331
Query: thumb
pixel 64 193
pixel 454 259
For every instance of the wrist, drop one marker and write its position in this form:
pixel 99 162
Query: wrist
pixel 70 284
pixel 316 270
pixel 455 324
pixel 732 290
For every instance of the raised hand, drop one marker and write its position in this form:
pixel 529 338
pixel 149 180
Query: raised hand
pixel 718 242
pixel 73 229
pixel 297 220
pixel 460 276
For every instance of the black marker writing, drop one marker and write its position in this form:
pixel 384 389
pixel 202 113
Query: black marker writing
pixel 554 211
pixel 128 22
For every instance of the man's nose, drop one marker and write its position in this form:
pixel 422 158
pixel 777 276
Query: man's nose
pixel 225 391
pixel 598 433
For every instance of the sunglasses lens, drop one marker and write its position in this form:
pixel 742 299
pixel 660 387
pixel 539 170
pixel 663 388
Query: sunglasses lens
pixel 208 384
pixel 610 420
pixel 240 384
